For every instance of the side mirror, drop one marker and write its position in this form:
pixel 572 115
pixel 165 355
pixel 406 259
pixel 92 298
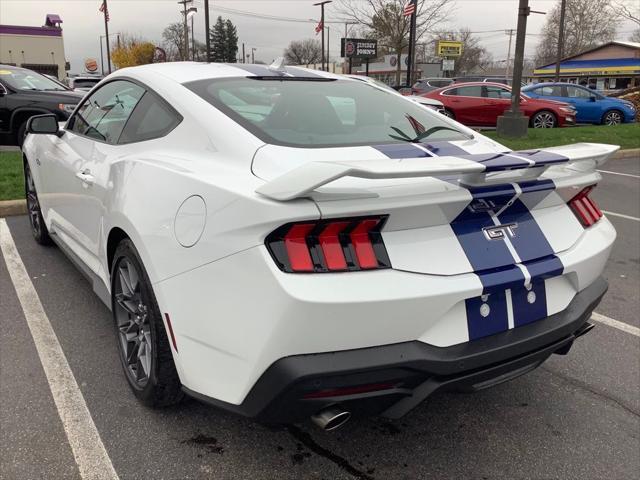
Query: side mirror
pixel 43 124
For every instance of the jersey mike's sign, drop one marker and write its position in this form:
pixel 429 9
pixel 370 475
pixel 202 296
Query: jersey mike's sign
pixel 358 48
pixel 448 48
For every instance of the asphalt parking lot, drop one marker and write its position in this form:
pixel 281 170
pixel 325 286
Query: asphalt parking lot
pixel 576 417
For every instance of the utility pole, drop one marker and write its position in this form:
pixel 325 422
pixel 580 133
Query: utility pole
pixel 244 58
pixel 105 11
pixel 509 32
pixel 193 41
pixel 322 4
pixel 253 60
pixel 185 52
pixel 513 123
pixel 206 29
pixel 563 7
pixel 328 50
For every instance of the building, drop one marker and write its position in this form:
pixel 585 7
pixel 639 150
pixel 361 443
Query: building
pixel 612 66
pixel 37 48
pixel 385 69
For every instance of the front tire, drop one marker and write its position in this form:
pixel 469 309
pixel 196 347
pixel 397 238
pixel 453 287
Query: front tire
pixel 612 117
pixel 544 119
pixel 145 352
pixel 38 227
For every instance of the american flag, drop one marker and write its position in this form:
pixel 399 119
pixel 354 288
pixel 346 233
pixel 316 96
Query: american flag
pixel 319 27
pixel 410 8
pixel 103 9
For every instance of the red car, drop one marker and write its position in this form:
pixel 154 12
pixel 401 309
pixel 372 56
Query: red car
pixel 481 103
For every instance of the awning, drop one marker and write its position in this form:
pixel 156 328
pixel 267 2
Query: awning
pixel 611 66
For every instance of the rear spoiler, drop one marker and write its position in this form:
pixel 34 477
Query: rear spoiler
pixel 473 169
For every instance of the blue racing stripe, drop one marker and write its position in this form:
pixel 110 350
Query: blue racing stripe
pixel 264 71
pixel 494 320
pixel 541 157
pixel 543 268
pixel 401 150
pixel 530 242
pixel 529 305
pixel 545 184
pixel 495 162
pixel 500 279
pixel 443 148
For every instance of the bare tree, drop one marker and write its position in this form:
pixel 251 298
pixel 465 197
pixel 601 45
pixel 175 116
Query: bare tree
pixel 629 10
pixel 303 52
pixel 386 20
pixel 173 41
pixel 474 55
pixel 588 23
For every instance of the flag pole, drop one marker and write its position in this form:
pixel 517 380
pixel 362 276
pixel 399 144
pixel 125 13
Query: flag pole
pixel 105 12
pixel 412 39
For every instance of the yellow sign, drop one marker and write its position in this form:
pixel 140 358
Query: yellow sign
pixel 448 48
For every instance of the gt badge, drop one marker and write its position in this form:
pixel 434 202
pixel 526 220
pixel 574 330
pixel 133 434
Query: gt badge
pixel 500 232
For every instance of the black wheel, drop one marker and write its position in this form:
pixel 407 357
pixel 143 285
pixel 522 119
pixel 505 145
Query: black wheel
pixel 21 133
pixel 448 113
pixel 544 119
pixel 144 348
pixel 38 227
pixel 612 117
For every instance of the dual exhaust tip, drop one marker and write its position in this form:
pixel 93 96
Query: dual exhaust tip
pixel 331 418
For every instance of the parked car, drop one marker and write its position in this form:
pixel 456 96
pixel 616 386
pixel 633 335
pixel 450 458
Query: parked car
pixel 481 103
pixel 83 83
pixel 430 103
pixel 502 80
pixel 24 93
pixel 55 79
pixel 591 106
pixel 284 263
pixel 425 85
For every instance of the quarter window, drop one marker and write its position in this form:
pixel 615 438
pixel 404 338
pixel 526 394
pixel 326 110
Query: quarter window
pixel 104 114
pixel 151 118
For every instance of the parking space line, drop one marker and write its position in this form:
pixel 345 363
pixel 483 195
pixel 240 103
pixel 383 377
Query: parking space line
pixel 618 173
pixel 89 451
pixel 625 327
pixel 620 215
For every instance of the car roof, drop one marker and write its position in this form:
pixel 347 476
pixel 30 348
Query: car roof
pixel 183 72
pixel 13 67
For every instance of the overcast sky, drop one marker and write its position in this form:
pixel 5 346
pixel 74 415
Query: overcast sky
pixel 147 18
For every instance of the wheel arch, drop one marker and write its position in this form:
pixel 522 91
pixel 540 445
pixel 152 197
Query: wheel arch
pixel 614 108
pixel 20 115
pixel 116 235
pixel 541 110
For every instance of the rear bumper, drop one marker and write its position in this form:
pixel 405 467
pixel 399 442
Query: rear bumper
pixel 288 390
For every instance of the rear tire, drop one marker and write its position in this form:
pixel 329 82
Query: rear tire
pixel 612 117
pixel 145 352
pixel 544 119
pixel 38 227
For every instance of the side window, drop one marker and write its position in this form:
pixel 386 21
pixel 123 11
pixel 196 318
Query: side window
pixel 151 118
pixel 497 92
pixel 550 91
pixel 470 91
pixel 452 91
pixel 104 114
pixel 575 92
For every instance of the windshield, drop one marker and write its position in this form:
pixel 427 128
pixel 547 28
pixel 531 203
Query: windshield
pixel 322 112
pixel 28 80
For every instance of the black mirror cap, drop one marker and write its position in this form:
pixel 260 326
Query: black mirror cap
pixel 43 124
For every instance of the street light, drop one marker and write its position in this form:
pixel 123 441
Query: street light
pixel 322 4
pixel 253 49
pixel 190 14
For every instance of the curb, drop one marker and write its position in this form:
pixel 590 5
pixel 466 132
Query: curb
pixel 629 153
pixel 13 207
pixel 9 208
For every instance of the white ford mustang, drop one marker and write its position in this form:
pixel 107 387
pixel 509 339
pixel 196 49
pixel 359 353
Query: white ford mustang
pixel 286 243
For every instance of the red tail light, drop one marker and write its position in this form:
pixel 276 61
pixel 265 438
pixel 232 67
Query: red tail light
pixel 329 245
pixel 585 208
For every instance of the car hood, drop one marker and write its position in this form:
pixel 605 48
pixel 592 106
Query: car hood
pixel 62 96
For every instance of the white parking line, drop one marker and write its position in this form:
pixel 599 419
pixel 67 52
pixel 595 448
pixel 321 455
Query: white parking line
pixel 89 452
pixel 625 327
pixel 620 215
pixel 618 173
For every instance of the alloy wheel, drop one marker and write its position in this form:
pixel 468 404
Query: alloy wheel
pixel 544 120
pixel 33 206
pixel 613 118
pixel 132 317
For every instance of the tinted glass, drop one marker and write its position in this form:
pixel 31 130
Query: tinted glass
pixel 470 91
pixel 104 114
pixel 28 80
pixel 85 83
pixel 152 118
pixel 440 83
pixel 313 113
pixel 497 92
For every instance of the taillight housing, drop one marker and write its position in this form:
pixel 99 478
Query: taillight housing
pixel 335 245
pixel 584 208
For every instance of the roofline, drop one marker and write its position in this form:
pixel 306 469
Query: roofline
pixel 612 42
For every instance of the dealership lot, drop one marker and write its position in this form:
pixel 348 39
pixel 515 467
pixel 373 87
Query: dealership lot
pixel 575 417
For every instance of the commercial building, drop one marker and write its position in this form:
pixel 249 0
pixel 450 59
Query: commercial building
pixel 612 66
pixel 37 48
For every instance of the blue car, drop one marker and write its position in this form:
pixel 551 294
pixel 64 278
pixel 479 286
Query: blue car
pixel 591 106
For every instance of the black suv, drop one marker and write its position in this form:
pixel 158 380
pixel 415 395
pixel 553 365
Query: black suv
pixel 24 93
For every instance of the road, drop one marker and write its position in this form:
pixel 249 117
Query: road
pixel 576 417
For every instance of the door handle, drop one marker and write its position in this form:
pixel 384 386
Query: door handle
pixel 86 177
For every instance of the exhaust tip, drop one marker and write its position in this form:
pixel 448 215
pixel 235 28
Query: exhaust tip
pixel 331 418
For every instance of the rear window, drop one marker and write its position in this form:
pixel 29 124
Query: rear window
pixel 322 113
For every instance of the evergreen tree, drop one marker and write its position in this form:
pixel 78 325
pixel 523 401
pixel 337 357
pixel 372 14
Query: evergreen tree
pixel 231 42
pixel 224 41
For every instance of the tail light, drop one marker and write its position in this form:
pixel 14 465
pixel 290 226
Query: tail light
pixel 338 245
pixel 585 208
